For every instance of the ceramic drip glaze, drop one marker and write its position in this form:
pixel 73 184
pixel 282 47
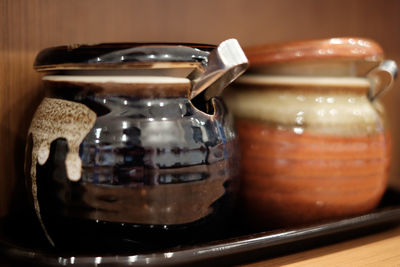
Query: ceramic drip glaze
pixel 56 118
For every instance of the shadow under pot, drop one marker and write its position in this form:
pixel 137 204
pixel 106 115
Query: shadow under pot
pixel 119 156
pixel 313 137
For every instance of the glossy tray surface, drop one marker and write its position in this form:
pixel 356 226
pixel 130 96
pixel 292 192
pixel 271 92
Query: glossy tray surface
pixel 21 242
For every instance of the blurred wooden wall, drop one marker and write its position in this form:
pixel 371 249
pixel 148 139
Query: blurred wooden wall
pixel 27 26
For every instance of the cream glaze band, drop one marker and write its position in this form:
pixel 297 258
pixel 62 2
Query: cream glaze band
pixel 319 111
pixel 258 79
pixel 137 85
pixel 117 79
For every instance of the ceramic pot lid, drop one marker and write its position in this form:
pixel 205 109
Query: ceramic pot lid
pixel 123 56
pixel 209 68
pixel 346 48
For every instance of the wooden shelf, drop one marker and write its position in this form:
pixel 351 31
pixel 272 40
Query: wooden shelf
pixel 380 249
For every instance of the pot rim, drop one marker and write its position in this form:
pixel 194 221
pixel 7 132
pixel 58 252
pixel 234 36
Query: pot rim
pixel 341 48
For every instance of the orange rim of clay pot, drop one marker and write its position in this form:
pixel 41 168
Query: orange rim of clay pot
pixel 343 48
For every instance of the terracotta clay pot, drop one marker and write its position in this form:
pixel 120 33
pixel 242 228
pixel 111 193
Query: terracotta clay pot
pixel 314 141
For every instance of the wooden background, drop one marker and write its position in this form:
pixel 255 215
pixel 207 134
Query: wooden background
pixel 27 26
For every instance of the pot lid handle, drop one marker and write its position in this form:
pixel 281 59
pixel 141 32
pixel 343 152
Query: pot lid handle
pixel 225 63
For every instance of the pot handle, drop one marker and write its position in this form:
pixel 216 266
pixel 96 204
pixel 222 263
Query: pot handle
pixel 381 78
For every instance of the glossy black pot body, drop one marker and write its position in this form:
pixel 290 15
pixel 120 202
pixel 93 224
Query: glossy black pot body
pixel 156 170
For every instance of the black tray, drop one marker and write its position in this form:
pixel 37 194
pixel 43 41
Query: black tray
pixel 20 242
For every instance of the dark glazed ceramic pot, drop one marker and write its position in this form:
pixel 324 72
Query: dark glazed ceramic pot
pixel 118 152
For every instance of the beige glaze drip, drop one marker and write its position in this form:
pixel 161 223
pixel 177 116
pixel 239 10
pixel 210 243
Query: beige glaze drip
pixel 56 118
